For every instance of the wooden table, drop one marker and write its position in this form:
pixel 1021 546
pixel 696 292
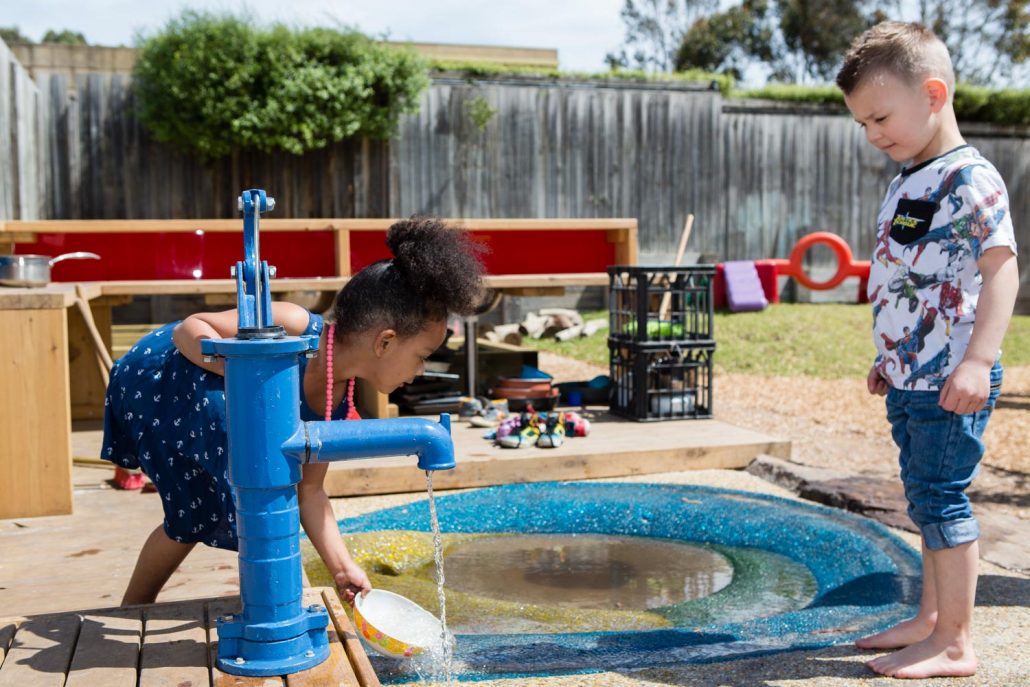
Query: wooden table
pixel 170 644
pixel 35 416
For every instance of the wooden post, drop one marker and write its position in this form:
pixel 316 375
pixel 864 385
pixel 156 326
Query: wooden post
pixel 35 420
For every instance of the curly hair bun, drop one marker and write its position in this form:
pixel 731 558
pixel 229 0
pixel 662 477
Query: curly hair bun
pixel 440 263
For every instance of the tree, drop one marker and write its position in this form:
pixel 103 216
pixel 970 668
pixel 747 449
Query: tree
pixel 12 35
pixel 728 41
pixel 988 39
pixel 654 31
pixel 65 37
pixel 816 34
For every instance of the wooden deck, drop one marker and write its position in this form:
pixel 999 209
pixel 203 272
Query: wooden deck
pixel 172 644
pixel 614 448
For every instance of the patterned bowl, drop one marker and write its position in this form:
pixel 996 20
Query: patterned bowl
pixel 395 626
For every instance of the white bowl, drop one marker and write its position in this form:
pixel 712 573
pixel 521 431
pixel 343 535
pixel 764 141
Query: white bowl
pixel 395 626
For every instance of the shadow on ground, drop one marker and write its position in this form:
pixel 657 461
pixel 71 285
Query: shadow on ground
pixel 775 669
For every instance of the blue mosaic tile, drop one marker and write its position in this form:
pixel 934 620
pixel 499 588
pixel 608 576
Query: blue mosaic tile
pixel 867 578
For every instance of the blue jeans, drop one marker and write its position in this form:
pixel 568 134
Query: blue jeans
pixel 940 455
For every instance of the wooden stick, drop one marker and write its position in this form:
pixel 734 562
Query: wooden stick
pixel 103 357
pixel 663 311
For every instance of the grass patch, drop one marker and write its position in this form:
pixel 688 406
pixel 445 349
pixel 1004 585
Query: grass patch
pixel 828 341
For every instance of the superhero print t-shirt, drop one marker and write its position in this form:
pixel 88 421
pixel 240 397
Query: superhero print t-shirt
pixel 936 221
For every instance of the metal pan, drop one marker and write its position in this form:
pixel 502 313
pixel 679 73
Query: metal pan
pixel 34 270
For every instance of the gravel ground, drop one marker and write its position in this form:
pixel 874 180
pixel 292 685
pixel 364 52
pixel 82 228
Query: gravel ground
pixel 837 424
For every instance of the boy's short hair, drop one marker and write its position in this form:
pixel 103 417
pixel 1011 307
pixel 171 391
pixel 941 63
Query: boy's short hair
pixel 907 50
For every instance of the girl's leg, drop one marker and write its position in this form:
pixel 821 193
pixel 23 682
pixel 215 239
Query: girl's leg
pixel 915 629
pixel 157 561
pixel 948 651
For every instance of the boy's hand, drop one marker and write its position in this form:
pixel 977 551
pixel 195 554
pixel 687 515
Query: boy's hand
pixel 351 581
pixel 967 388
pixel 875 382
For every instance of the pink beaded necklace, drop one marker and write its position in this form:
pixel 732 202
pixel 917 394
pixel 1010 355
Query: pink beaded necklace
pixel 352 412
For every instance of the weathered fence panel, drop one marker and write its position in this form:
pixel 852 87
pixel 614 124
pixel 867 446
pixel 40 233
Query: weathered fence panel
pixel 22 143
pixel 565 149
pixel 104 165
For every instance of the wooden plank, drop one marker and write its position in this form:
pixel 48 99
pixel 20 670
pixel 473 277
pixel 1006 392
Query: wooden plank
pixel 9 238
pixel 216 609
pixel 43 298
pixel 88 384
pixel 349 638
pixel 8 626
pixel 204 286
pixel 175 646
pixel 107 653
pixel 35 422
pixel 517 281
pixel 149 226
pixel 341 241
pixel 335 671
pixel 41 652
pixel 614 448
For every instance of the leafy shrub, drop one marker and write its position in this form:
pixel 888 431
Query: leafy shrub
pixel 1009 107
pixel 214 83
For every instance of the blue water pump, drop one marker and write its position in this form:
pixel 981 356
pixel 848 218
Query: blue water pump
pixel 274 634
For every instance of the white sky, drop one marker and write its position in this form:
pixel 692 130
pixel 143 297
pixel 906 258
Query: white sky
pixel 583 31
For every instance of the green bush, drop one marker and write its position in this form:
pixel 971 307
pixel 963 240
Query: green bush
pixel 1007 107
pixel 723 82
pixel 212 84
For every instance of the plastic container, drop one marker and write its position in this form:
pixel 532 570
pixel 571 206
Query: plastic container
pixel 652 382
pixel 661 304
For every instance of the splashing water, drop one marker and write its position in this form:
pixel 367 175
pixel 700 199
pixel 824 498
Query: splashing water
pixel 445 665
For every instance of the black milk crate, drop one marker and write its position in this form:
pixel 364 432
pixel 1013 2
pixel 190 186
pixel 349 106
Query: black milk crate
pixel 653 382
pixel 661 304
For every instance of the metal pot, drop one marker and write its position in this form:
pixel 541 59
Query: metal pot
pixel 33 270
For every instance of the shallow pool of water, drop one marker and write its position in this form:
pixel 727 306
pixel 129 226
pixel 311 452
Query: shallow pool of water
pixel 586 570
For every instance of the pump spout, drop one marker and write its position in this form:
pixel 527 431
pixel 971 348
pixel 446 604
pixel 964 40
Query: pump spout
pixel 326 442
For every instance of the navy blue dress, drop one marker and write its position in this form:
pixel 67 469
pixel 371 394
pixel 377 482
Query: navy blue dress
pixel 167 416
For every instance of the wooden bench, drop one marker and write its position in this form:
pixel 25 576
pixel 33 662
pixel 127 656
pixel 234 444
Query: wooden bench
pixel 160 644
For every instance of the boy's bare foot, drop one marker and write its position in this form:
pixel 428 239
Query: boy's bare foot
pixel 901 635
pixel 929 658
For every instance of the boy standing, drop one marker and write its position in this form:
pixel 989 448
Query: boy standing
pixel 947 294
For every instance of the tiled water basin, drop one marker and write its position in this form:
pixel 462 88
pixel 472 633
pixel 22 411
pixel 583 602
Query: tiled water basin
pixel 802 576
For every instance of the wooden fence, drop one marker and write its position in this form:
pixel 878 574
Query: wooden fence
pixel 756 175
pixel 22 143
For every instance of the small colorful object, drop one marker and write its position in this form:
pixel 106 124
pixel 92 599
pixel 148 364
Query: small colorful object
pixel 395 626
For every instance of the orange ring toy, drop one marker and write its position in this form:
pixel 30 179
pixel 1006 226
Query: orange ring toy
pixel 847 266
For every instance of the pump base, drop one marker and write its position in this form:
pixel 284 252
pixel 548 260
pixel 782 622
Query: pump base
pixel 261 651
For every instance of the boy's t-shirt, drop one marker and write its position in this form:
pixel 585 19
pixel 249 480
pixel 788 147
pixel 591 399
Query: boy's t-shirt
pixel 936 221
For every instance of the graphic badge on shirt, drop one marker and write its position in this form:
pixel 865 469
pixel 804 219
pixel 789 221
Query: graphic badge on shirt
pixel 912 220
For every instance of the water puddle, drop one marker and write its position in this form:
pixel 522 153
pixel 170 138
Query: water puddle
pixel 586 571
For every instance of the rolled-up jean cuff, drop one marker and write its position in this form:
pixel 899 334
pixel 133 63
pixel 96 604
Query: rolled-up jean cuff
pixel 949 534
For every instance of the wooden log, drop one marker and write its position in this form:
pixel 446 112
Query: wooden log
pixel 570 333
pixel 591 327
pixel 534 325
